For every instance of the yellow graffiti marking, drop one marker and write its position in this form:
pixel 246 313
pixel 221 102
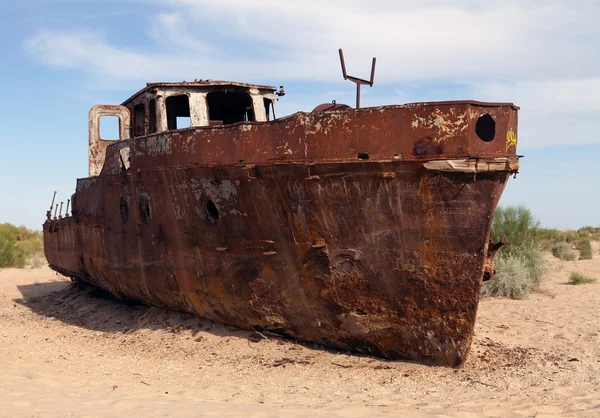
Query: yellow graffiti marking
pixel 511 140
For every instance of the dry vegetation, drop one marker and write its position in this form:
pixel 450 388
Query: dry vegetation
pixel 585 249
pixel 578 278
pixel 521 266
pixel 564 251
pixel 20 246
pixel 549 237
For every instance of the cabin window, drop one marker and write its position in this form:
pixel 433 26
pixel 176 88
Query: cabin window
pixel 109 128
pixel 178 112
pixel 139 120
pixel 152 116
pixel 229 107
pixel 268 107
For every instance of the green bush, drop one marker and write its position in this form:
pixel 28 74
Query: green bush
pixel 19 245
pixel 520 266
pixel 518 224
pixel 564 251
pixel 585 249
pixel 7 251
pixel 577 278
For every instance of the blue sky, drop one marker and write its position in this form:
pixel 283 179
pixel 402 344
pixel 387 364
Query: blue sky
pixel 60 57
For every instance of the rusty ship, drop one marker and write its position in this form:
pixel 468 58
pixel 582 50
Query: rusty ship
pixel 363 229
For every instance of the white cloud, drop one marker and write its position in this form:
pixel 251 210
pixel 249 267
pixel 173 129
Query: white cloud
pixel 541 55
pixel 298 40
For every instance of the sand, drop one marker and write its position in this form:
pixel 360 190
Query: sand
pixel 70 351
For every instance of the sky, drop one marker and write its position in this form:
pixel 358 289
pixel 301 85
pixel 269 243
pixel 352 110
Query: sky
pixel 61 57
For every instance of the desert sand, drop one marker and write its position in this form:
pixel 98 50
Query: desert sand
pixel 71 351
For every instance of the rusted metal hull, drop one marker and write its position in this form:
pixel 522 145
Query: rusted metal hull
pixel 384 257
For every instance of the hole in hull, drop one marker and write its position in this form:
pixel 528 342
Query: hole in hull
pixel 124 209
pixel 145 209
pixel 212 211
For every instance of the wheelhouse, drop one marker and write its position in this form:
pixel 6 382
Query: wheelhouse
pixel 162 107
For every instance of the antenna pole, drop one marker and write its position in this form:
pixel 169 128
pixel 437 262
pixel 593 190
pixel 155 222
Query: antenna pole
pixel 356 80
pixel 343 64
pixel 373 72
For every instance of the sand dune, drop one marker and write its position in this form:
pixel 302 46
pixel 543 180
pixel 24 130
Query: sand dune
pixel 71 351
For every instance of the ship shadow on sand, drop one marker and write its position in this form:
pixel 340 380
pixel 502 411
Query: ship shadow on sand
pixel 89 307
pixel 86 306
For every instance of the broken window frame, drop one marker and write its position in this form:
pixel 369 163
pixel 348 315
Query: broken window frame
pixel 174 111
pixel 249 114
pixel 269 108
pixel 152 117
pixel 107 118
pixel 136 116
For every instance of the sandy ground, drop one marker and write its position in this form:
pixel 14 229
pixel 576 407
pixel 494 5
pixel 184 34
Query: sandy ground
pixel 68 351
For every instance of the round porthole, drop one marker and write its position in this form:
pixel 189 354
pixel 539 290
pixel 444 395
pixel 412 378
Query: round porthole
pixel 485 127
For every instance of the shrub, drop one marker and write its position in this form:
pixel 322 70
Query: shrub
pixel 520 267
pixel 564 251
pixel 587 232
pixel 585 249
pixel 512 279
pixel 533 259
pixel 571 236
pixel 577 278
pixel 7 251
pixel 19 245
pixel 590 232
pixel 549 237
pixel 518 224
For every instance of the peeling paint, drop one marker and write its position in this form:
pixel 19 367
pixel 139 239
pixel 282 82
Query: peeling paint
pixel 160 145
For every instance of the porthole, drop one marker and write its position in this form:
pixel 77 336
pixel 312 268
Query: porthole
pixel 485 127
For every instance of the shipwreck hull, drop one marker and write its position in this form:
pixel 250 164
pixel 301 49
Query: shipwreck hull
pixel 289 227
pixel 382 258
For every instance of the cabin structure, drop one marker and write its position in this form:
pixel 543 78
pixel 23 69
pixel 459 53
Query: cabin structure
pixel 161 107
